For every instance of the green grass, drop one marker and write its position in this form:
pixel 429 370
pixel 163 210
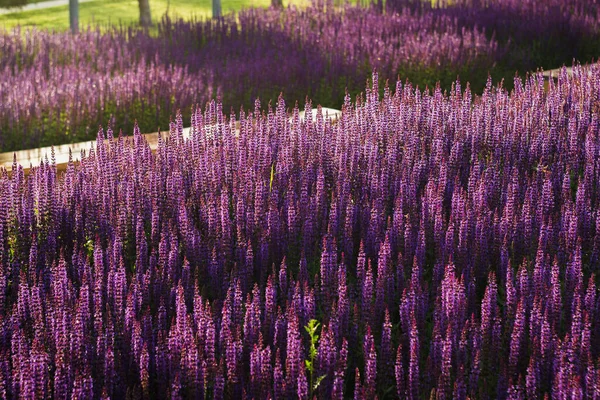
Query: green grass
pixel 126 12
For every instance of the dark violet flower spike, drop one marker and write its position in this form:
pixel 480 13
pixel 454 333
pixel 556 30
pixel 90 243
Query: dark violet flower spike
pixel 399 372
pixel 369 388
pixel 413 366
pixel 302 386
pixel 517 339
pixel 358 389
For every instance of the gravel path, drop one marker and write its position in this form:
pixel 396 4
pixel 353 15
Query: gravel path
pixel 39 6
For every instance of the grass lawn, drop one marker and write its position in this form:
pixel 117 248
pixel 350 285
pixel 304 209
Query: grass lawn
pixel 104 12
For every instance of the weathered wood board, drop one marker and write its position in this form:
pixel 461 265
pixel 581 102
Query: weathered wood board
pixel 33 157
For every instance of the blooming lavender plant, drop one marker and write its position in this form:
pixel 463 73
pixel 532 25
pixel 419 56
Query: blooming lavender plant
pixel 174 274
pixel 58 88
pixel 540 34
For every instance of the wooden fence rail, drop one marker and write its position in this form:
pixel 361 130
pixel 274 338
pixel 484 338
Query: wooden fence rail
pixel 33 157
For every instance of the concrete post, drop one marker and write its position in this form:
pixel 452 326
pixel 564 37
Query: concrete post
pixel 74 15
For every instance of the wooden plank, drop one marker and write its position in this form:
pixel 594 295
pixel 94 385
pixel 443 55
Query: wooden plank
pixel 33 157
pixel 554 73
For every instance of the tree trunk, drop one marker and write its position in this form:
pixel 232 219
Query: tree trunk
pixel 74 15
pixel 145 16
pixel 277 3
pixel 216 5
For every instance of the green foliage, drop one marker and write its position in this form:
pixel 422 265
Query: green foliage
pixel 311 328
pixel 89 248
pixel 272 178
pixel 125 12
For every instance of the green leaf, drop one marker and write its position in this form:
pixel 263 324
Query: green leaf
pixel 388 390
pixel 89 246
pixel 272 178
pixel 318 381
pixel 308 365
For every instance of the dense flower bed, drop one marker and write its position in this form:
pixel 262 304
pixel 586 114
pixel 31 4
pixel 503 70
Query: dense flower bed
pixel 445 246
pixel 544 33
pixel 57 88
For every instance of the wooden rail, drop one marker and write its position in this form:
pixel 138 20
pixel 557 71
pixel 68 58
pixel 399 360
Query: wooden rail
pixel 33 157
pixel 554 73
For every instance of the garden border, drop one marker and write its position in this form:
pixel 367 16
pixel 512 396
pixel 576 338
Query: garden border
pixel 31 158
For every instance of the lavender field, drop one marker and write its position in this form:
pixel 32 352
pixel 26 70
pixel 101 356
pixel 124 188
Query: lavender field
pixel 439 240
pixel 54 90
pixel 445 247
pixel 58 88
